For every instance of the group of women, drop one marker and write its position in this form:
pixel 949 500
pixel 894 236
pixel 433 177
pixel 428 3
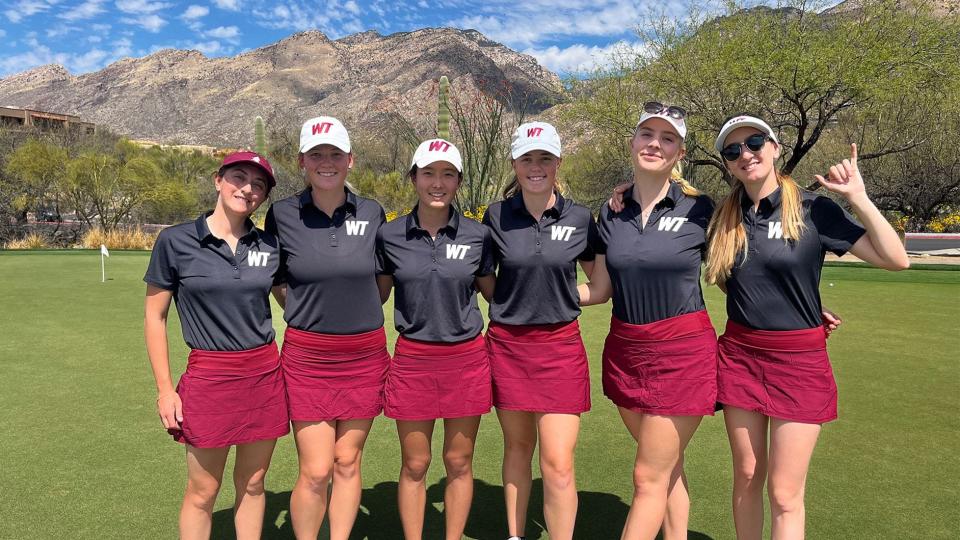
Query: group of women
pixel 330 259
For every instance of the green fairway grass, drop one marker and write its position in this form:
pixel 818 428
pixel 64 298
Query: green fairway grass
pixel 83 454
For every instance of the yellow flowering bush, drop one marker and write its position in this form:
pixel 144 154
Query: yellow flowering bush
pixel 949 223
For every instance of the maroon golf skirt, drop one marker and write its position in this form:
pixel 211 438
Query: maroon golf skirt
pixel 666 367
pixel 334 377
pixel 539 368
pixel 783 374
pixel 430 380
pixel 232 397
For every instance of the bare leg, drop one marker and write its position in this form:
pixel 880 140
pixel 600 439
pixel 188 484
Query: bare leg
pixel 415 437
pixel 519 440
pixel 308 502
pixel 347 483
pixel 558 439
pixel 459 437
pixel 747 432
pixel 249 471
pixel 791 447
pixel 204 474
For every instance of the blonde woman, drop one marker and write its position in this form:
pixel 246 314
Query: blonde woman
pixel 767 243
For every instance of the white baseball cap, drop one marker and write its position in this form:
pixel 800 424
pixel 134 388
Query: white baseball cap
pixel 677 123
pixel 743 121
pixel 436 150
pixel 324 130
pixel 535 136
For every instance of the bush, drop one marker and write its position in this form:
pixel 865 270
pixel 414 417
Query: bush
pixel 31 241
pixel 118 239
pixel 949 223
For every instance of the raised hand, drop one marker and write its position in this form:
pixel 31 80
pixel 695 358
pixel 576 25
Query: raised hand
pixel 844 177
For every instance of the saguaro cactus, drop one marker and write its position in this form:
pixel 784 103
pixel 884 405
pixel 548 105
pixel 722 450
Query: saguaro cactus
pixel 443 110
pixel 260 137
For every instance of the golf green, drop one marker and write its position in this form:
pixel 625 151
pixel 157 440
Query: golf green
pixel 83 454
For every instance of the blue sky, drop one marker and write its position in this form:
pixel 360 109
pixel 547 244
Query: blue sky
pixel 87 35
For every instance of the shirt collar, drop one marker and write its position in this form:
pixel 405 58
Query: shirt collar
pixel 413 220
pixel 348 205
pixel 204 234
pixel 767 204
pixel 516 205
pixel 673 196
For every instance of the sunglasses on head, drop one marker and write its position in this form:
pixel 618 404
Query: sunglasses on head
pixel 754 143
pixel 655 107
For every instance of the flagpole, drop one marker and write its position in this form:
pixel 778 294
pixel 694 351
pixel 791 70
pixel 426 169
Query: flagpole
pixel 103 270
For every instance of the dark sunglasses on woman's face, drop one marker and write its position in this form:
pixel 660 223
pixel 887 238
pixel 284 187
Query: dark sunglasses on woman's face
pixel 754 143
pixel 655 107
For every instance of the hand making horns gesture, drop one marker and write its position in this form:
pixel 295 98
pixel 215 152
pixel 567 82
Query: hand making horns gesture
pixel 844 177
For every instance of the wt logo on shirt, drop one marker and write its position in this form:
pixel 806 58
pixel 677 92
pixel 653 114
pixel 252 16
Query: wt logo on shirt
pixel 355 228
pixel 257 258
pixel 561 232
pixel 456 251
pixel 671 223
pixel 775 230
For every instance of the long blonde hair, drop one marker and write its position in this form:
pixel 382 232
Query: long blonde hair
pixel 726 235
pixel 676 176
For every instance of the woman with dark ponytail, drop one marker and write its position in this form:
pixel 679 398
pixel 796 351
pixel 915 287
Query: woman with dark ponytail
pixel 767 243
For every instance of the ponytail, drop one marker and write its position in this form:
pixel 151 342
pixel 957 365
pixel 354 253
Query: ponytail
pixel 676 176
pixel 726 235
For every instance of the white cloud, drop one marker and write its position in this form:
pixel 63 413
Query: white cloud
pixel 580 58
pixel 94 39
pixel 60 30
pixel 224 32
pixel 195 12
pixel 136 7
pixel 76 63
pixel 150 23
pixel 2 32
pixel 206 47
pixel 352 7
pixel 25 8
pixel 229 5
pixel 86 10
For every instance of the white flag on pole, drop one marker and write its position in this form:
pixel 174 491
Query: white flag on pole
pixel 104 252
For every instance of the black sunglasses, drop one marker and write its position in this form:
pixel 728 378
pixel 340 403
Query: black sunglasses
pixel 755 142
pixel 655 107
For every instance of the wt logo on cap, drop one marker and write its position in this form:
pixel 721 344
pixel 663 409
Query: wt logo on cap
pixel 671 223
pixel 439 146
pixel 257 258
pixel 457 251
pixel 534 132
pixel 323 127
pixel 775 230
pixel 355 228
pixel 561 232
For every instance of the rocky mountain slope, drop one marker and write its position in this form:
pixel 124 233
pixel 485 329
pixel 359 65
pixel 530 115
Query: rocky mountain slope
pixel 183 96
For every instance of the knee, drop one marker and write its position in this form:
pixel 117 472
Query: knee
pixel 749 473
pixel 346 464
pixel 415 467
pixel 458 464
pixel 647 479
pixel 519 447
pixel 557 471
pixel 252 484
pixel 785 499
pixel 316 476
pixel 202 493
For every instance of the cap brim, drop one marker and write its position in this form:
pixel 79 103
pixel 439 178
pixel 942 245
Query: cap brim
pixel 679 126
pixel 755 124
pixel 535 146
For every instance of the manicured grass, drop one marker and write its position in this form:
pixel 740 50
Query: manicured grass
pixel 84 456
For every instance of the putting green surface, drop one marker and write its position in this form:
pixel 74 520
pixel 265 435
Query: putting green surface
pixel 83 454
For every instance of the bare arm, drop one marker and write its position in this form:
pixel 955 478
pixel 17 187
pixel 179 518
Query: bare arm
pixel 385 284
pixel 156 308
pixel 485 284
pixel 598 289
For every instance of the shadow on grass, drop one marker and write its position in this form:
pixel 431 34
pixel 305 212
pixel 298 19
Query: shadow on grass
pixel 600 516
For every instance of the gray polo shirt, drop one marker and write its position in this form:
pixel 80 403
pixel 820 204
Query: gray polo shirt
pixel 329 263
pixel 433 278
pixel 537 260
pixel 777 286
pixel 655 269
pixel 222 298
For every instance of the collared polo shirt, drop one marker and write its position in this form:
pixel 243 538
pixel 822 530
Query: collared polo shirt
pixel 329 263
pixel 537 260
pixel 433 278
pixel 222 298
pixel 777 285
pixel 655 268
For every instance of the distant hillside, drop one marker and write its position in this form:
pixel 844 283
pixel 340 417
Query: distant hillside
pixel 183 96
